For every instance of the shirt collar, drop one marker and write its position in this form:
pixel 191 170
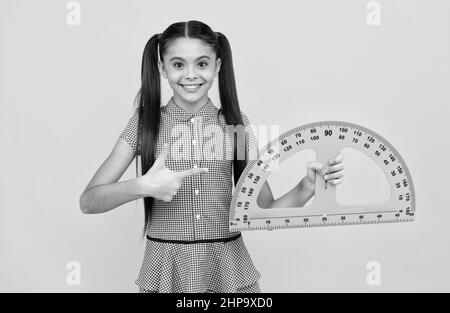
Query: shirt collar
pixel 207 111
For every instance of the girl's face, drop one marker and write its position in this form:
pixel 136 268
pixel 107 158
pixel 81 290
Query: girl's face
pixel 190 66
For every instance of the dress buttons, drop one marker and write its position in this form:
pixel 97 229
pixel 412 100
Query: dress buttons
pixel 197 216
pixel 194 141
pixel 196 191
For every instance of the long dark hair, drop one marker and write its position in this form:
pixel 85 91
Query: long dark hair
pixel 149 95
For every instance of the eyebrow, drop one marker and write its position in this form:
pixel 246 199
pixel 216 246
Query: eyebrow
pixel 203 56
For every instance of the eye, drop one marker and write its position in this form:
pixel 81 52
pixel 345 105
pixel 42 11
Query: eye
pixel 175 64
pixel 206 64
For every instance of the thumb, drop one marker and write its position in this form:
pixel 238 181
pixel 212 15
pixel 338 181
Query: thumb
pixel 192 171
pixel 313 167
pixel 160 161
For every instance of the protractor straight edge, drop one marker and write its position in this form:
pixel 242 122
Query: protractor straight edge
pixel 327 139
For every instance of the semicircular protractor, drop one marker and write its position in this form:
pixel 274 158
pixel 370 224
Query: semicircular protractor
pixel 327 139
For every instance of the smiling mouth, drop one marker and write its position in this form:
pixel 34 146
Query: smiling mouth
pixel 191 87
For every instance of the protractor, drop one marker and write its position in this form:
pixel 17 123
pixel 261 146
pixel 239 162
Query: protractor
pixel 326 139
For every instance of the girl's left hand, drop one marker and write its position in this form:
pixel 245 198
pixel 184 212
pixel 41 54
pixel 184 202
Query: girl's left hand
pixel 332 172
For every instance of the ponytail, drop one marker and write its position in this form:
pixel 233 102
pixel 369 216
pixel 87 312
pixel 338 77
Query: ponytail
pixel 229 99
pixel 149 96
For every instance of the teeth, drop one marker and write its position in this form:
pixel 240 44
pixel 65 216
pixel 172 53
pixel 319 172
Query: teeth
pixel 191 87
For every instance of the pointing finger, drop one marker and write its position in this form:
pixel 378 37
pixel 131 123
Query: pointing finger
pixel 192 171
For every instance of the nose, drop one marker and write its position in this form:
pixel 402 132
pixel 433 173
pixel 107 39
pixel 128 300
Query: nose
pixel 190 72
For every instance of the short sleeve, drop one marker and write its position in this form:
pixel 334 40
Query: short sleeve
pixel 251 143
pixel 130 133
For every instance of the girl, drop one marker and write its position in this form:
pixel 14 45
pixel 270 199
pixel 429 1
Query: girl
pixel 189 247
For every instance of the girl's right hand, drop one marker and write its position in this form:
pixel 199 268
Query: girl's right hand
pixel 162 183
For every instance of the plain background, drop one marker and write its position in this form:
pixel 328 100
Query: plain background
pixel 66 93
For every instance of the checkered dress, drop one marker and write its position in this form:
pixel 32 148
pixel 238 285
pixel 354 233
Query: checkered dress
pixel 189 245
